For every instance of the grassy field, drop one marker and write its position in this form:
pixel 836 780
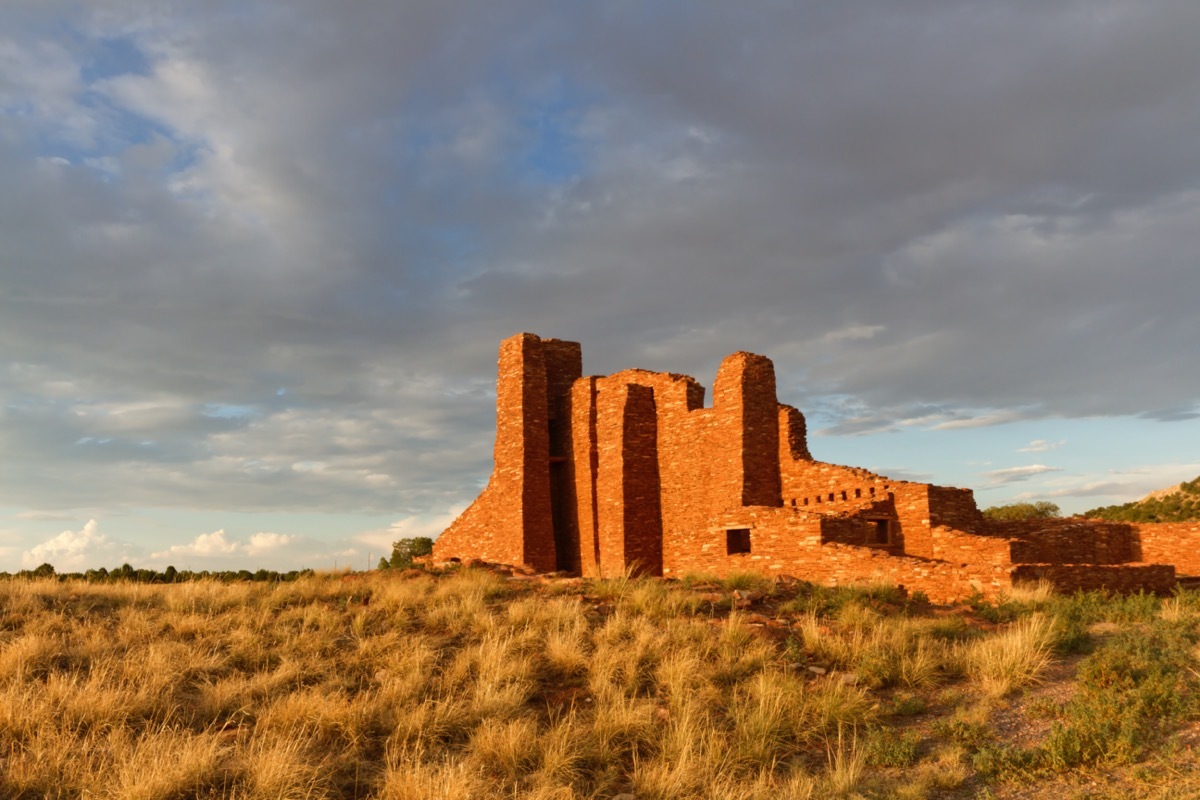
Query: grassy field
pixel 405 685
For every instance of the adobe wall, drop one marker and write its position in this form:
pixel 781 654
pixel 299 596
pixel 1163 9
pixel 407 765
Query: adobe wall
pixel 1175 543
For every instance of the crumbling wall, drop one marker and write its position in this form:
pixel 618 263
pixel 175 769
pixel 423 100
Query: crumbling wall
pixel 1067 541
pixel 600 475
pixel 955 508
pixel 819 487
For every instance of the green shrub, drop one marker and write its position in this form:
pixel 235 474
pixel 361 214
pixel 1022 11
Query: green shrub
pixel 1132 689
pixel 891 748
pixel 405 550
pixel 1019 511
pixel 970 734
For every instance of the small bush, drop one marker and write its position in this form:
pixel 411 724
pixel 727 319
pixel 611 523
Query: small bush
pixel 889 748
pixel 905 704
pixel 1131 690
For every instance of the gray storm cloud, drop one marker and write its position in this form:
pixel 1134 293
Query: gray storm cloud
pixel 265 263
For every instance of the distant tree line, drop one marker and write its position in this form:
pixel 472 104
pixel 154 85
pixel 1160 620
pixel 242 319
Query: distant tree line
pixel 126 573
pixel 1180 506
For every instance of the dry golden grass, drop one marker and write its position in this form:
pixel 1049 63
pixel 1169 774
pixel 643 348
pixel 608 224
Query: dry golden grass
pixel 379 686
pixel 1013 658
pixel 469 685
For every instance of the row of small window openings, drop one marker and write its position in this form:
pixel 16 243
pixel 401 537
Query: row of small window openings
pixel 833 496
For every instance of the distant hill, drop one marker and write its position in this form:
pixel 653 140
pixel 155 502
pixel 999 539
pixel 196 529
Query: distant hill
pixel 1175 504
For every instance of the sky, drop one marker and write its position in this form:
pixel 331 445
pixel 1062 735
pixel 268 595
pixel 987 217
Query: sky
pixel 256 256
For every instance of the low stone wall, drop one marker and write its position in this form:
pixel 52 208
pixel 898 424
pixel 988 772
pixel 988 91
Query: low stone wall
pixel 1175 543
pixel 941 581
pixel 1069 541
pixel 1124 578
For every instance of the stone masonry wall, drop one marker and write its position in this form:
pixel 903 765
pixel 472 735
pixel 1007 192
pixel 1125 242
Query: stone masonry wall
pixel 511 521
pixel 1124 578
pixel 1067 541
pixel 1175 543
pixel 599 475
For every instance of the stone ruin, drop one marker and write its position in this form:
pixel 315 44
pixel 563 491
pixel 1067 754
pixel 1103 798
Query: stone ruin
pixel 630 472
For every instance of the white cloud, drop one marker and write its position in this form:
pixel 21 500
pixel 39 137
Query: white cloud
pixel 408 528
pixel 1015 474
pixel 354 242
pixel 75 551
pixel 981 421
pixel 852 333
pixel 264 549
pixel 1121 485
pixel 206 544
pixel 1041 446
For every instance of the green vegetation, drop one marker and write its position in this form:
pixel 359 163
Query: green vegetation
pixel 1180 506
pixel 405 550
pixel 1019 511
pixel 462 683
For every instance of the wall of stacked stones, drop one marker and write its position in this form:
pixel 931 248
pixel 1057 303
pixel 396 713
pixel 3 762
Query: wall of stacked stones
pixel 641 454
pixel 952 507
pixel 593 474
pixel 941 581
pixel 505 522
pixel 1175 543
pixel 1123 578
pixel 1067 541
pixel 513 519
pixel 829 488
pixel 797 544
pixel 958 547
pixel 665 466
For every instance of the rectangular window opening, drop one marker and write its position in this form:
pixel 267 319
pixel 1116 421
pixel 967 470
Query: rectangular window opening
pixel 737 540
pixel 882 532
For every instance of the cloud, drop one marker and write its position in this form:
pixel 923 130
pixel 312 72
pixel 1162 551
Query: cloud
pixel 329 218
pixel 1041 446
pixel 75 551
pixel 267 550
pixel 853 333
pixel 1117 486
pixel 981 421
pixel 1176 414
pixel 904 474
pixel 408 528
pixel 1016 474
pixel 206 544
